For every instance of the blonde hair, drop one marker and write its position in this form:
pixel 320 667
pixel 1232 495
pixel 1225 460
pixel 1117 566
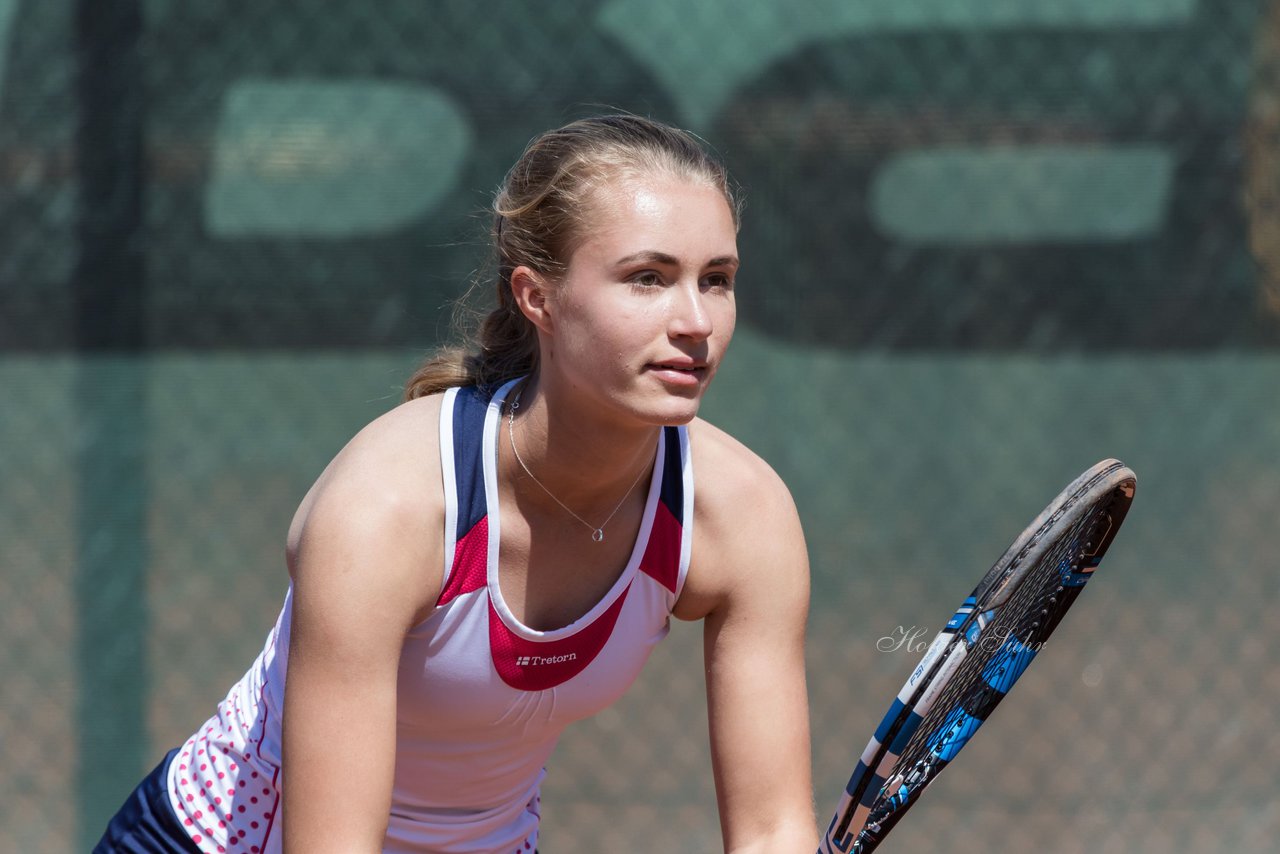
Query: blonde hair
pixel 540 217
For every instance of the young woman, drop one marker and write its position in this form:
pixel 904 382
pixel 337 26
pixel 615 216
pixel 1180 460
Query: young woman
pixel 497 556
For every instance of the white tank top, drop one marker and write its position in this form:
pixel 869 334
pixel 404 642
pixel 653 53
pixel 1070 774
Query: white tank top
pixel 481 697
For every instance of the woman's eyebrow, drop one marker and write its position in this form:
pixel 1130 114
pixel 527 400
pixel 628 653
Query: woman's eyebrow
pixel 652 256
pixel 649 256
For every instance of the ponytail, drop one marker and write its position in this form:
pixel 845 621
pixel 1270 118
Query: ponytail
pixel 506 347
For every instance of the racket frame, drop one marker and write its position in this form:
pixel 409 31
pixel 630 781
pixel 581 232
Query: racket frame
pixel 949 647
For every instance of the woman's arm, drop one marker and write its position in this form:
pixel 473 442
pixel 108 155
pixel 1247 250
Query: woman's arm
pixel 751 579
pixel 360 556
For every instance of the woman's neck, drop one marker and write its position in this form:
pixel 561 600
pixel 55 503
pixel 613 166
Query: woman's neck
pixel 583 458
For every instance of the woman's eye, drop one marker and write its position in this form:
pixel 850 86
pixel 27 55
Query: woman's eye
pixel 718 281
pixel 649 279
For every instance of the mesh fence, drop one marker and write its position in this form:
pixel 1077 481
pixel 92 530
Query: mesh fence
pixel 985 245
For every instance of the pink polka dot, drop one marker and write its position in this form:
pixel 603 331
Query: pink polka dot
pixel 254 825
pixel 243 784
pixel 217 800
pixel 254 849
pixel 240 809
pixel 240 833
pixel 196 838
pixel 190 798
pixel 188 822
pixel 253 800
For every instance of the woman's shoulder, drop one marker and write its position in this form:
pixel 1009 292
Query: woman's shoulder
pixel 736 491
pixel 382 493
pixel 725 468
pixel 393 454
pixel 748 539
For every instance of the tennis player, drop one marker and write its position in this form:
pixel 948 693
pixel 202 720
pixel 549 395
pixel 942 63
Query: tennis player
pixel 497 556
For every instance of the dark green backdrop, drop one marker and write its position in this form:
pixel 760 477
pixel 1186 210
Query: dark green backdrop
pixel 986 244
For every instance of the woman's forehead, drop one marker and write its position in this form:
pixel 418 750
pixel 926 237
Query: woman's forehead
pixel 662 208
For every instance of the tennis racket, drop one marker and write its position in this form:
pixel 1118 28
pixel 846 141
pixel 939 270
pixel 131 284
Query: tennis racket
pixel 974 661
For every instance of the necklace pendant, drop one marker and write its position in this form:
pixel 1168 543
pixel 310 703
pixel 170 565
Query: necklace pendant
pixel 597 535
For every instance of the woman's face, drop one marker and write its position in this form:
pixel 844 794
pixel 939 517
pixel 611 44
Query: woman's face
pixel 645 310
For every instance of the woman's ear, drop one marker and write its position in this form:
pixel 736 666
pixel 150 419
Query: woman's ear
pixel 530 289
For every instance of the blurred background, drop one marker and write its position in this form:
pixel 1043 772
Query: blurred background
pixel 986 244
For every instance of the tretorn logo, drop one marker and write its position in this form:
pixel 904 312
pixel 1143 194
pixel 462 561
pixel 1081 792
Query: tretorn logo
pixel 536 660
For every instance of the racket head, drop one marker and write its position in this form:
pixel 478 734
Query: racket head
pixel 1109 481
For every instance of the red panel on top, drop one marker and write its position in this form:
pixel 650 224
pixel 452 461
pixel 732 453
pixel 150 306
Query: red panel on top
pixel 538 665
pixel 470 569
pixel 661 559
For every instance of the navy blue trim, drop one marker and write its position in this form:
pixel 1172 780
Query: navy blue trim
pixel 672 491
pixel 469 408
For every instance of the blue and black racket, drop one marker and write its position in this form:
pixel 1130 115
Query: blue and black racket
pixel 973 662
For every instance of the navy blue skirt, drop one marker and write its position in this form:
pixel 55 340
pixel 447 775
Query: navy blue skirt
pixel 146 824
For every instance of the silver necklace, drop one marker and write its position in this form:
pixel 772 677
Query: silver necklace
pixel 597 533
